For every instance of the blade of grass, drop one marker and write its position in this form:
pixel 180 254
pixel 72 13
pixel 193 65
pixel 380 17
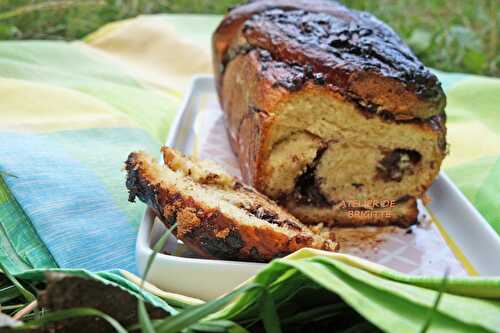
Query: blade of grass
pixel 191 316
pixel 72 313
pixel 8 293
pixel 26 310
pixel 22 10
pixel 28 296
pixel 219 326
pixel 268 313
pixel 11 307
pixel 364 327
pixel 316 314
pixel 144 319
pixel 157 248
pixel 442 288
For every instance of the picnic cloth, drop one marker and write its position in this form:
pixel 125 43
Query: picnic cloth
pixel 71 112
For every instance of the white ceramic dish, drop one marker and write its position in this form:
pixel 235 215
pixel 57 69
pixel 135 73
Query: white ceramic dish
pixel 206 279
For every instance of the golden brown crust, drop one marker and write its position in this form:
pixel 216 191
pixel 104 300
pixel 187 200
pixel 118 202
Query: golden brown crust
pixel 211 232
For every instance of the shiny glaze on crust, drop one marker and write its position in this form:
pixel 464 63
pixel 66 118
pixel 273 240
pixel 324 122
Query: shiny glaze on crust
pixel 358 42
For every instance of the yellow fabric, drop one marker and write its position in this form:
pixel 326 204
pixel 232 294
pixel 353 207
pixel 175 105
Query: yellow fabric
pixel 172 298
pixel 164 59
pixel 55 108
pixel 469 141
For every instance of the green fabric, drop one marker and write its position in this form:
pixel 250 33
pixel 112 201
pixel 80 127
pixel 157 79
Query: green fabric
pixel 21 247
pixel 393 302
pixel 58 63
pixel 69 66
pixel 477 99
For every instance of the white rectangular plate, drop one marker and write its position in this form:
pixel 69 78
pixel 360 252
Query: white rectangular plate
pixel 454 234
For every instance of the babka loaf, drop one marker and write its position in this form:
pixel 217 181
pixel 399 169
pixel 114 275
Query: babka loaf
pixel 216 215
pixel 329 112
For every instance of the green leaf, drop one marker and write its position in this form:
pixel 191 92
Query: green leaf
pixel 73 313
pixel 144 320
pixel 12 307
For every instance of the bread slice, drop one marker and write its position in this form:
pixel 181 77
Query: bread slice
pixel 325 105
pixel 216 215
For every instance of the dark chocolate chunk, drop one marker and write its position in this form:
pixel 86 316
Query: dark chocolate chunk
pixel 397 163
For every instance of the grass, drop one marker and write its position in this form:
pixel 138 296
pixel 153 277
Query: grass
pixel 450 35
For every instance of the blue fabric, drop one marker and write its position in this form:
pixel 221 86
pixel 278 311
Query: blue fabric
pixel 55 184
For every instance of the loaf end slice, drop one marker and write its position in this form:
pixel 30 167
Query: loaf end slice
pixel 216 215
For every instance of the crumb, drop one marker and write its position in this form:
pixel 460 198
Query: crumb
pixel 426 199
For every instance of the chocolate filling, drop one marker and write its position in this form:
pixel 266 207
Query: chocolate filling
pixel 397 163
pixel 306 189
pixel 271 217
